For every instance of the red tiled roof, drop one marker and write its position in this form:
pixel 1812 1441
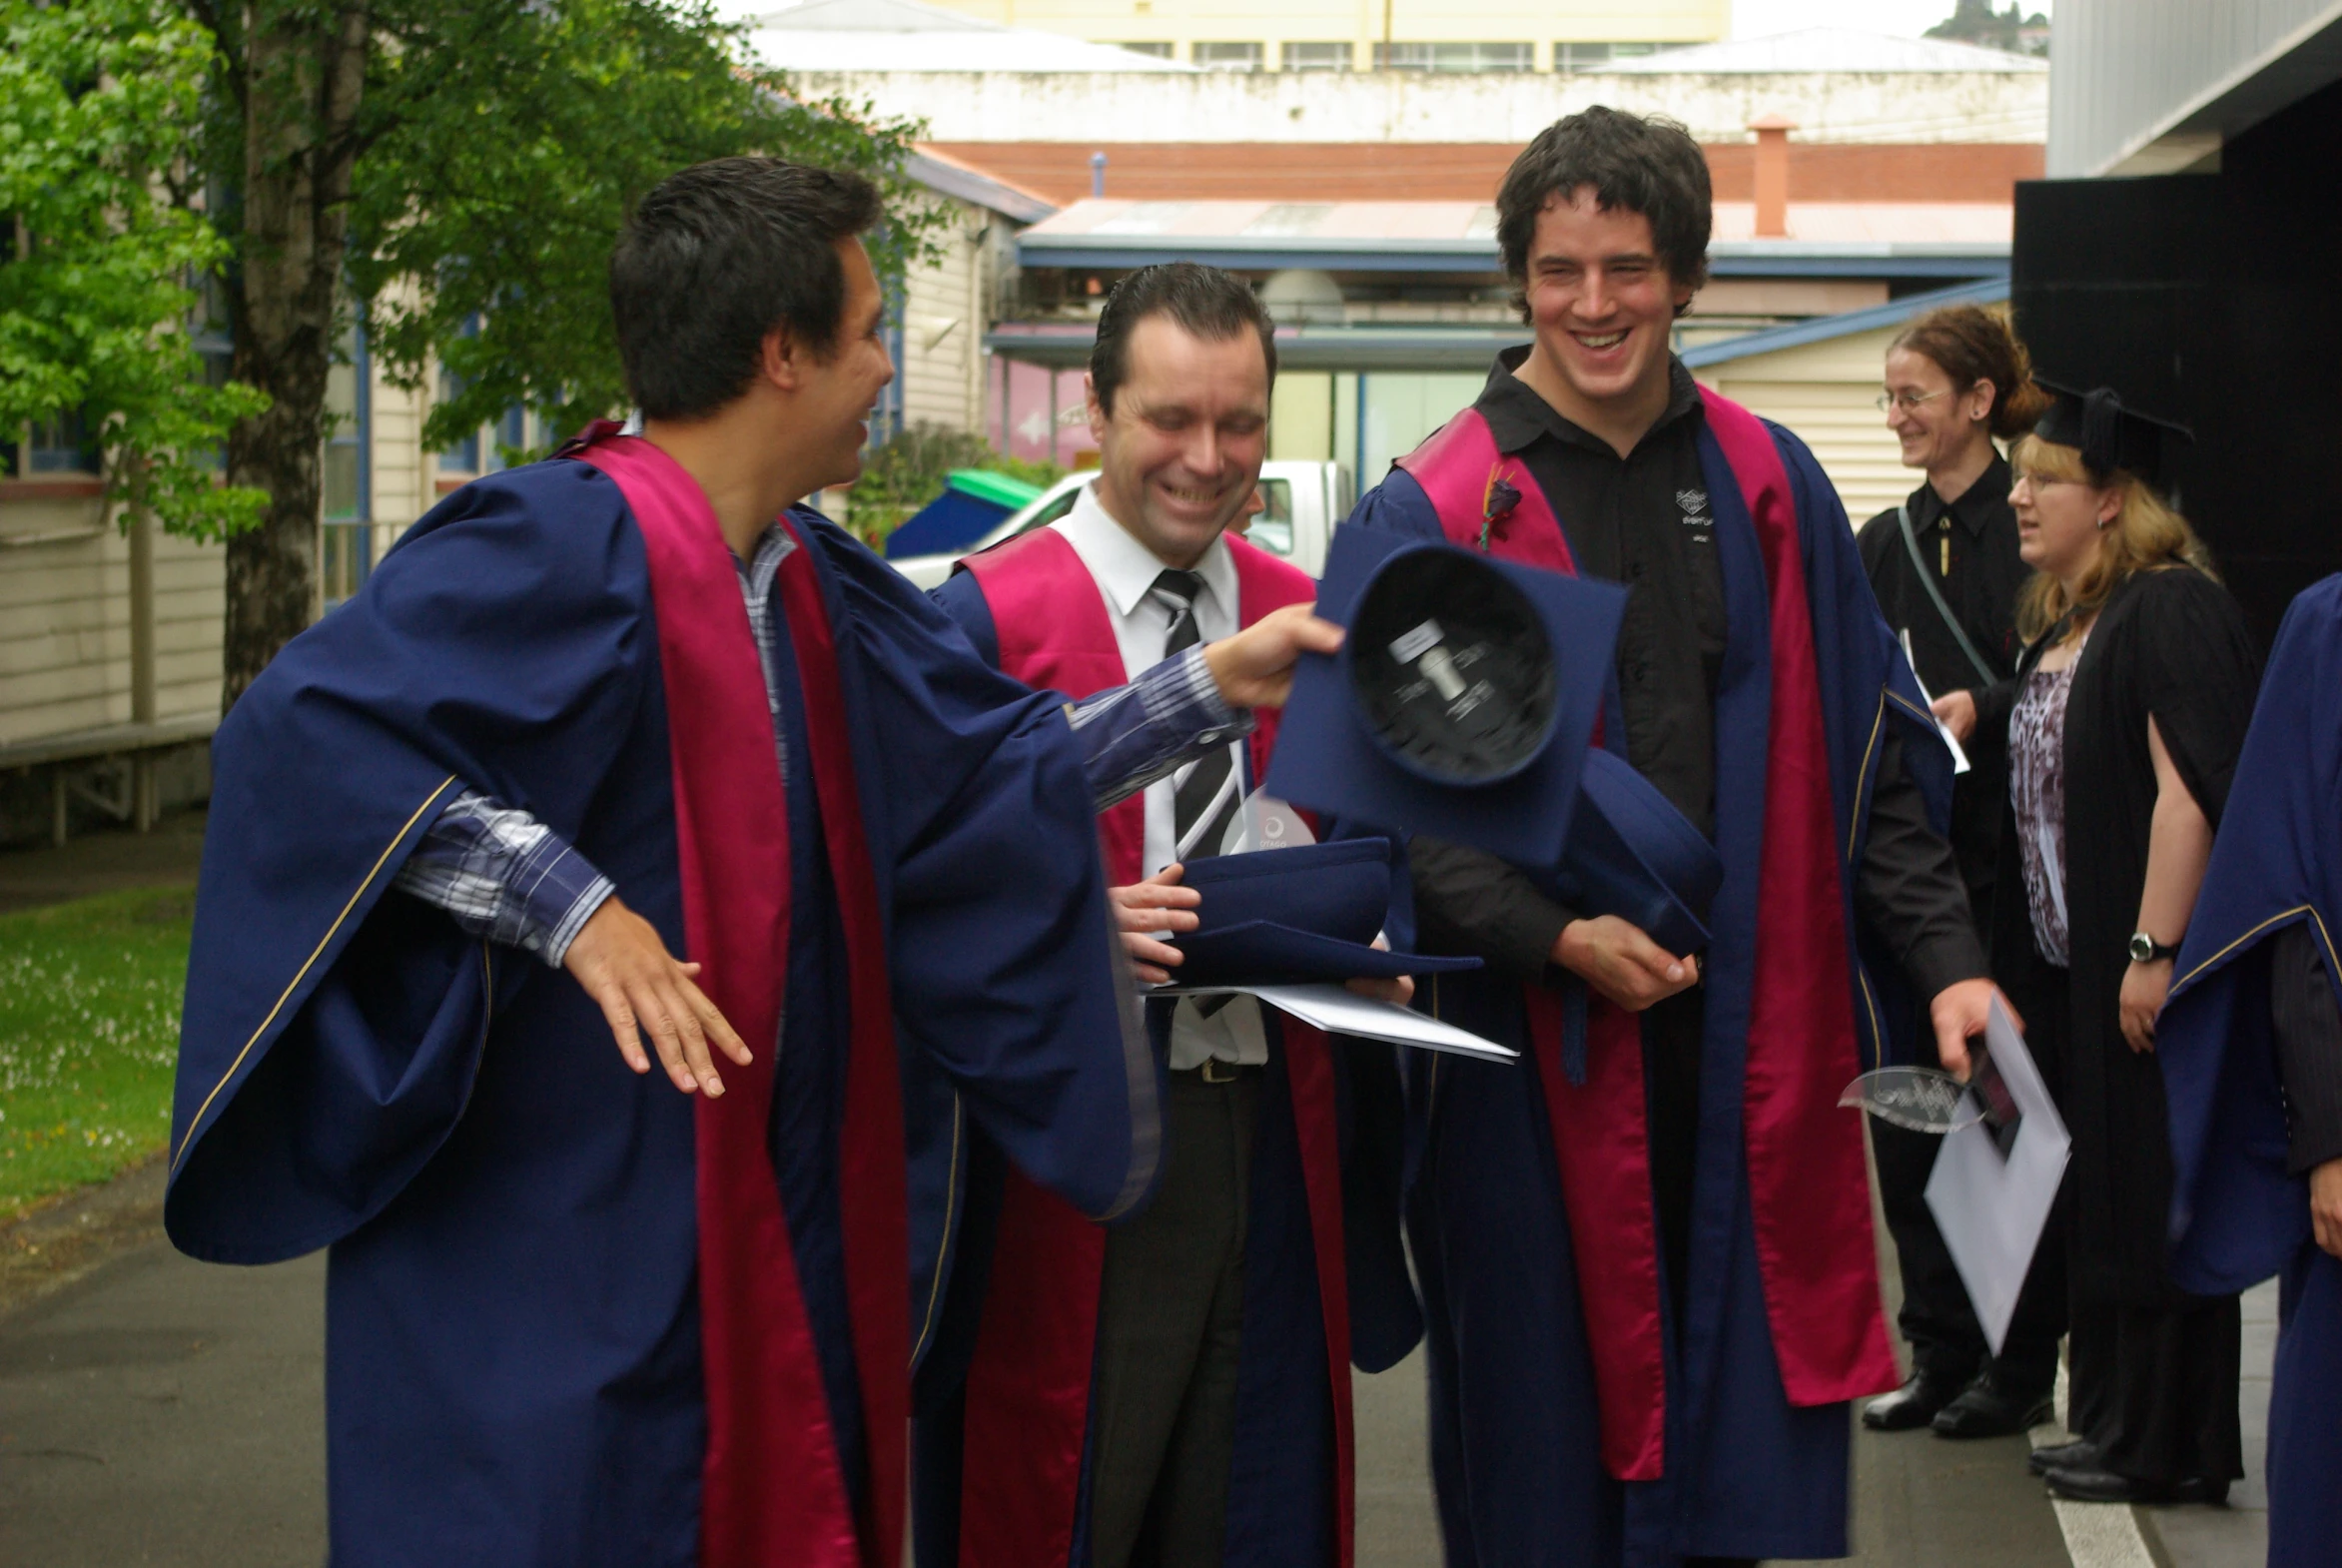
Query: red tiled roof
pixel 1470 171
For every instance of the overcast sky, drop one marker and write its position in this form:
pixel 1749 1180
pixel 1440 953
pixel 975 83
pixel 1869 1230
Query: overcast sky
pixel 1756 18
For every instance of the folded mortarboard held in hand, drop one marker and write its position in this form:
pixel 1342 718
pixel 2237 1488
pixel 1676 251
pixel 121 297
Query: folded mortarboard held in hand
pixel 1463 705
pixel 1294 916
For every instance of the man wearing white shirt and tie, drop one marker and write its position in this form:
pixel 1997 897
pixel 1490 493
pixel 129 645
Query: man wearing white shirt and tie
pixel 1174 1388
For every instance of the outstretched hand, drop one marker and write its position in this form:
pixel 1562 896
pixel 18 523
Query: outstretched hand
pixel 619 960
pixel 1254 668
pixel 1959 1012
pixel 1145 910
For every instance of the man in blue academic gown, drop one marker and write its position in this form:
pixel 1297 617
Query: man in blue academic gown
pixel 1646 1257
pixel 591 714
pixel 2250 1041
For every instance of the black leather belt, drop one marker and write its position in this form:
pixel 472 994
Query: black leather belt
pixel 1214 1071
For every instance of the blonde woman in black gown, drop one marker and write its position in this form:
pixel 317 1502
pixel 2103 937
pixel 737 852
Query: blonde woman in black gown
pixel 2124 721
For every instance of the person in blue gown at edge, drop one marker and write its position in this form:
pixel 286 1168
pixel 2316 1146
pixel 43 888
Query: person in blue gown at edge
pixel 589 715
pixel 2250 1043
pixel 1649 1279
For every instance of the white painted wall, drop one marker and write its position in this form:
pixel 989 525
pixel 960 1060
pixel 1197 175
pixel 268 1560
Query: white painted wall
pixel 65 623
pixel 1403 106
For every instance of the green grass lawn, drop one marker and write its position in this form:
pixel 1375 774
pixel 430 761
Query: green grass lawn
pixel 89 1032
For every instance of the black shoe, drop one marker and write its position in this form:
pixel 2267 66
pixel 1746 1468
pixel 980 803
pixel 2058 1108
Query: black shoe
pixel 2098 1484
pixel 1913 1404
pixel 2081 1455
pixel 1986 1410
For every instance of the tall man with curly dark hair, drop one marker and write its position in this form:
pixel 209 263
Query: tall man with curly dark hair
pixel 1646 1256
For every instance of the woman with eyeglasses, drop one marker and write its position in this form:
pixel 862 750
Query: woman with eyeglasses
pixel 1945 569
pixel 2123 725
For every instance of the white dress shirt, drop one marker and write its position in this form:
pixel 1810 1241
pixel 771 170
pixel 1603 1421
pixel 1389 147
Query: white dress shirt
pixel 1124 570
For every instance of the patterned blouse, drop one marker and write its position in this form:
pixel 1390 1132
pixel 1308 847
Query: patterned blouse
pixel 2036 789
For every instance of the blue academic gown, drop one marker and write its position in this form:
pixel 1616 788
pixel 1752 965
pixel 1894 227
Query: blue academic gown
pixel 1514 1424
pixel 2237 1217
pixel 513 1325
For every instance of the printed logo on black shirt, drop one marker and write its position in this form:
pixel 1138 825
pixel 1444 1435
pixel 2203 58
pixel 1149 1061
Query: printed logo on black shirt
pixel 1695 514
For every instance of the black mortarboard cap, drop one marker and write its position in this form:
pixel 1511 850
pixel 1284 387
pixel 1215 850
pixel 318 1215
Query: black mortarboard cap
pixel 1462 702
pixel 2107 434
pixel 1283 916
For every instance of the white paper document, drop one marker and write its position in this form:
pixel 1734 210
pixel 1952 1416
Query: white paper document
pixel 1340 1011
pixel 1991 1210
pixel 1958 756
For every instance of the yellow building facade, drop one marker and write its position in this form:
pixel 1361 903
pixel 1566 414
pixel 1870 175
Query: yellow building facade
pixel 1366 35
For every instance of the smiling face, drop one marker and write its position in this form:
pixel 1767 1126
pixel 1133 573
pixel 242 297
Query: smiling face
pixel 1938 427
pixel 835 394
pixel 2062 518
pixel 1603 305
pixel 1180 453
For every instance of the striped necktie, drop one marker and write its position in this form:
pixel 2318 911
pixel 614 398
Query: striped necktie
pixel 1203 792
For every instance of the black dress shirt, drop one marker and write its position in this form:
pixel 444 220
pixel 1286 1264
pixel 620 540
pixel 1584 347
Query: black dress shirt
pixel 1644 520
pixel 1969 546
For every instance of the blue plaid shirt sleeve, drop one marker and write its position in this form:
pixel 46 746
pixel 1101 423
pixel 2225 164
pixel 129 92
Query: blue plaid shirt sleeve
pixel 1148 730
pixel 506 876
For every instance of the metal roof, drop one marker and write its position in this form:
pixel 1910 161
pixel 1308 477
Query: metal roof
pixel 940 171
pixel 1846 239
pixel 1472 346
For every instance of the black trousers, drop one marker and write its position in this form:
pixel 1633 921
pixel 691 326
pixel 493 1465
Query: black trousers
pixel 1170 1334
pixel 2155 1387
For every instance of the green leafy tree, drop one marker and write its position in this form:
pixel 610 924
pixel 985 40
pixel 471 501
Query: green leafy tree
pixel 1975 22
pixel 461 170
pixel 100 103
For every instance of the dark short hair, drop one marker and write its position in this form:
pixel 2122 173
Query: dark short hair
pixel 1635 163
pixel 719 256
pixel 1204 302
pixel 1970 344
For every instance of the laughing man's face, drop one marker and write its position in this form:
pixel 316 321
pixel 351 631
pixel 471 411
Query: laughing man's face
pixel 1600 298
pixel 1180 453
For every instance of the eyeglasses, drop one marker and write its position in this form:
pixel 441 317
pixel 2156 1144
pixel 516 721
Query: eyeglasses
pixel 1907 401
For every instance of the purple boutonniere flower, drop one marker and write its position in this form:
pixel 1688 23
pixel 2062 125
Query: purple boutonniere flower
pixel 1497 504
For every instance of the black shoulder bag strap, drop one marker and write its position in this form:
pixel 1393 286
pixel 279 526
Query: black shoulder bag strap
pixel 1919 564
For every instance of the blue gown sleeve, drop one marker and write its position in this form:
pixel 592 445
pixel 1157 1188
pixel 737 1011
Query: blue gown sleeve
pixel 330 1036
pixel 1008 975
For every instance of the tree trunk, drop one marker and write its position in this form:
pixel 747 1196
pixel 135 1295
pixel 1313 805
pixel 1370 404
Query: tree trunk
pixel 303 71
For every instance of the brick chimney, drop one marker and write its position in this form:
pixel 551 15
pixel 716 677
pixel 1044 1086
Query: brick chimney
pixel 1772 174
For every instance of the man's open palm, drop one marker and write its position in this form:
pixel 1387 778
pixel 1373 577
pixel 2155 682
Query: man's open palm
pixel 619 960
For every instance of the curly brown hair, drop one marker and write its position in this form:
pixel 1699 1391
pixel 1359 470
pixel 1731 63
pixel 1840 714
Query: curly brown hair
pixel 1970 344
pixel 1645 164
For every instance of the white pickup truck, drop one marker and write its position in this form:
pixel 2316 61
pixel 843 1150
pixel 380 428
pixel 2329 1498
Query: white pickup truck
pixel 1303 502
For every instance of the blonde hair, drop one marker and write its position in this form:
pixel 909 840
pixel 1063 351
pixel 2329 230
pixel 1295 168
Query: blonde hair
pixel 2145 536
